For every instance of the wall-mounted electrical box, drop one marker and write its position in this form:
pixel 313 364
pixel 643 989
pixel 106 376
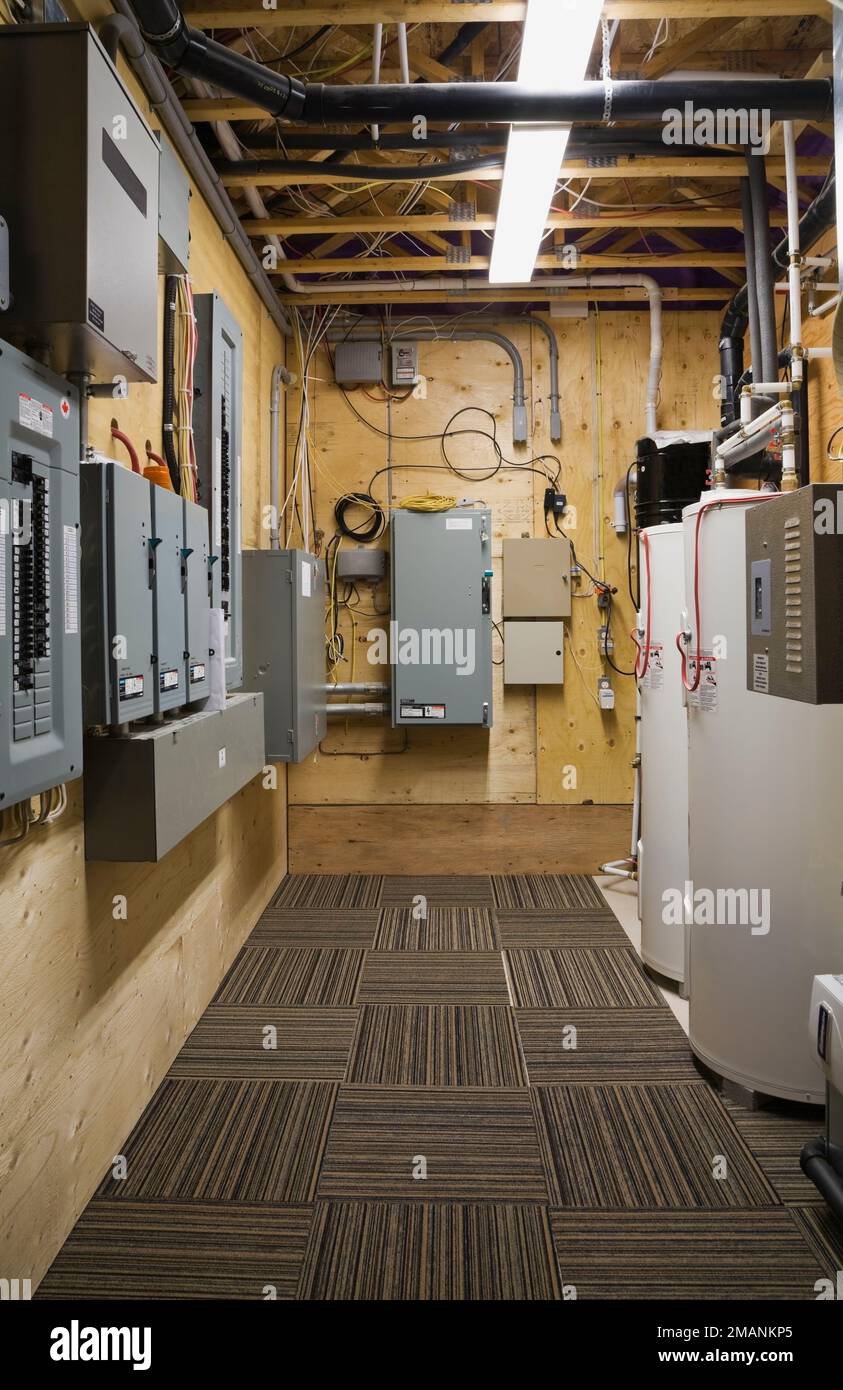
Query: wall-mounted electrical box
pixel 148 788
pixel 536 578
pixel 358 363
pixel 196 584
pixel 218 435
pixel 534 652
pixel 40 644
pixel 405 364
pixel 79 189
pixel 173 212
pixel 168 615
pixel 794 571
pixel 442 617
pixel 118 679
pixel 284 647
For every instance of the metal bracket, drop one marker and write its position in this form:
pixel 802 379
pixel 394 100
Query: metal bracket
pixel 462 212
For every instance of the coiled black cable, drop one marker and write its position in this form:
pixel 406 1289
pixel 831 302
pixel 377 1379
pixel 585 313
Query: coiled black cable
pixel 362 534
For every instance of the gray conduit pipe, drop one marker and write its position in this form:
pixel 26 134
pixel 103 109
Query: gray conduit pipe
pixel 122 29
pixel 373 711
pixel 763 274
pixel 462 335
pixel 357 688
pixel 545 328
pixel 280 376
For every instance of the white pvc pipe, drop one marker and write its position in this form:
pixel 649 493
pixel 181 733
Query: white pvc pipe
pixel 279 375
pixel 794 255
pixel 820 310
pixel 377 50
pixel 403 54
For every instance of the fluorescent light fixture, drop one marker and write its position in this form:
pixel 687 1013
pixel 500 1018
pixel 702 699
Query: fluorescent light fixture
pixel 555 49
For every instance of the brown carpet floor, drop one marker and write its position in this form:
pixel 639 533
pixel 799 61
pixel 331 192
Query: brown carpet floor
pixel 447 1088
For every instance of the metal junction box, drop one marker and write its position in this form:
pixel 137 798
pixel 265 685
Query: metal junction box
pixel 537 578
pixel 441 631
pixel 534 652
pixel 173 211
pixel 40 644
pixel 79 190
pixel 284 647
pixel 794 573
pixel 117 589
pixel 197 602
pixel 148 789
pixel 168 614
pixel 218 435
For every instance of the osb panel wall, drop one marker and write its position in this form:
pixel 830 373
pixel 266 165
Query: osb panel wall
pixel 537 736
pixel 92 1009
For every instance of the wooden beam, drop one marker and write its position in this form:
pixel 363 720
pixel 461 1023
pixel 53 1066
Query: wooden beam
pixel 367 12
pixel 689 243
pixel 294 224
pixel 492 294
pixel 672 55
pixel 640 167
pixel 682 260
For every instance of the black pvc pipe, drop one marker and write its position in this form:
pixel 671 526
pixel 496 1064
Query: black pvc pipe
pixel 823 1164
pixel 765 370
pixel 747 212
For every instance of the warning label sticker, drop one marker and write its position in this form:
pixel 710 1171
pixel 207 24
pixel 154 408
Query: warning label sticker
pixel 654 678
pixel 35 415
pixel 71 582
pixel 410 710
pixel 705 696
pixel 761 673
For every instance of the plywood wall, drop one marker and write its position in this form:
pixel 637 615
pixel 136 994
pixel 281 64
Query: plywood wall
pixel 93 1009
pixel 551 747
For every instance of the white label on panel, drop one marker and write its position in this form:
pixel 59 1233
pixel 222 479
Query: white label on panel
pixel 705 696
pixel 458 523
pixel 761 673
pixel 654 679
pixel 305 579
pixel 35 415
pixel 71 582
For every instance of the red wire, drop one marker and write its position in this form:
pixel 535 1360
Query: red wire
pixel 645 541
pixel 124 439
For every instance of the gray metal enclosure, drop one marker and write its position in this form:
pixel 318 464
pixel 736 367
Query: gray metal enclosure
pixel 40 660
pixel 441 634
pixel 284 647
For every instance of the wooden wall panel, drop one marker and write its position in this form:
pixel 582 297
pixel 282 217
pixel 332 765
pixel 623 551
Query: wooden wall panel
pixel 93 1009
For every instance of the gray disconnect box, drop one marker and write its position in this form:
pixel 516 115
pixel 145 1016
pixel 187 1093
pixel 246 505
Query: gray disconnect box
pixel 442 617
pixel 794 572
pixel 284 647
pixel 536 578
pixel 79 189
pixel 167 546
pixel 197 604
pixel 148 789
pixel 40 644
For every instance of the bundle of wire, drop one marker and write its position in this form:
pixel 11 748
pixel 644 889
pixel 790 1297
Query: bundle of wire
pixel 186 344
pixel 430 502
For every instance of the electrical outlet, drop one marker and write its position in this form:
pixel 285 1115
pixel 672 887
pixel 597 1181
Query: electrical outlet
pixel 605 693
pixel 420 389
pixel 605 640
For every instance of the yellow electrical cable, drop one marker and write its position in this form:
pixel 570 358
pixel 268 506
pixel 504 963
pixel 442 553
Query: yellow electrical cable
pixel 430 502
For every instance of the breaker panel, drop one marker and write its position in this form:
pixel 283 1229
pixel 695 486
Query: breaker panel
pixel 441 630
pixel 196 572
pixel 284 647
pixel 40 703
pixel 218 434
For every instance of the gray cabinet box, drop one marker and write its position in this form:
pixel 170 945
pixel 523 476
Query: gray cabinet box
pixel 79 190
pixel 534 652
pixel 441 634
pixel 284 647
pixel 148 789
pixel 173 211
pixel 168 614
pixel 197 603
pixel 40 644
pixel 536 578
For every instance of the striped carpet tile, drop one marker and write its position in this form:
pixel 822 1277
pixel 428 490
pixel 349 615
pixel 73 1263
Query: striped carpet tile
pixel 472 1144
pixel 536 929
pixel 598 1045
pixel 824 1237
pixel 424 1251
pixel 471 890
pixel 644 1146
pixel 433 977
pixel 329 890
pixel 294 976
pixel 682 1254
pixel 776 1135
pixel 548 892
pixel 181 1250
pixel 580 978
pixel 257 1041
pixel 436 1045
pixel 443 929
pixel 280 926
pixel 227 1141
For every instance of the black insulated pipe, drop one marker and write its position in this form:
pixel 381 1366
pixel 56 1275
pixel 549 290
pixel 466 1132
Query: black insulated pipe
pixel 823 1164
pixel 766 369
pixel 755 355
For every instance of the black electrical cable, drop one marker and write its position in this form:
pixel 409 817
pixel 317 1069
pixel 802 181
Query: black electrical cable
pixel 635 600
pixel 302 47
pixel 362 534
pixel 168 404
pixel 606 635
pixel 389 173
pixel 499 631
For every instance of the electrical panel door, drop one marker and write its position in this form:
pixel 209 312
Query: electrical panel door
pixel 441 630
pixel 168 613
pixel 117 593
pixel 218 433
pixel 197 604
pixel 40 671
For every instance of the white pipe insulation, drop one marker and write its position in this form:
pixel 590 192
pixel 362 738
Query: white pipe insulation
pixel 794 274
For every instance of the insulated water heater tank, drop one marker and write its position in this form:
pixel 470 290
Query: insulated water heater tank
pixel 663 861
pixel 764 782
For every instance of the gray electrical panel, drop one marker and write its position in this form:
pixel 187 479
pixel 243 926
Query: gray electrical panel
pixel 168 615
pixel 218 435
pixel 284 647
pixel 794 569
pixel 442 617
pixel 173 212
pixel 358 363
pixel 40 645
pixel 118 679
pixel 197 604
pixel 79 189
